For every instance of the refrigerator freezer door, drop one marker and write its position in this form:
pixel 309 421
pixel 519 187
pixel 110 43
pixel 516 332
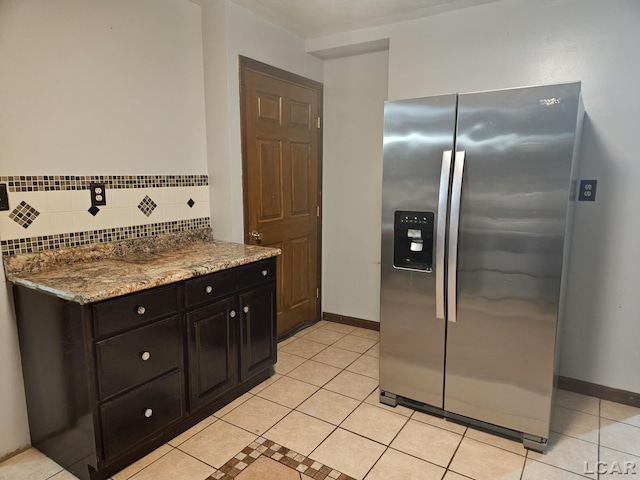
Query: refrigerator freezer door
pixel 417 132
pixel 513 219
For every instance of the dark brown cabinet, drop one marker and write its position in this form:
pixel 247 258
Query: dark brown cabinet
pixel 231 330
pixel 258 330
pixel 109 382
pixel 212 352
pixel 134 357
pixel 131 418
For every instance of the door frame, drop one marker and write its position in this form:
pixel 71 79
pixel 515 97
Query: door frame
pixel 246 63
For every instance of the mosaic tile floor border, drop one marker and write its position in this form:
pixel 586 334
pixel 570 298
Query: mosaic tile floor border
pixel 283 455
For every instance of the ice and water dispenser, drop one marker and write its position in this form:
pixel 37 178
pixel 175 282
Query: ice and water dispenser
pixel 413 240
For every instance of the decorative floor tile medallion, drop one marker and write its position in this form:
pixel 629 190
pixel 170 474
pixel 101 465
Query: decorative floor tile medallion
pixel 266 448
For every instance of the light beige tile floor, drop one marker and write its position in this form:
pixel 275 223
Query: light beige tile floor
pixel 322 403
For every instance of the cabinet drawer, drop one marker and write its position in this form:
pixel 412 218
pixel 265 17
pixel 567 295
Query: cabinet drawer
pixel 225 282
pixel 141 413
pixel 206 288
pixel 258 272
pixel 137 356
pixel 122 313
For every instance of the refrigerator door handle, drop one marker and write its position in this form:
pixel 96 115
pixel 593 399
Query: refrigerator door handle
pixel 454 222
pixel 443 199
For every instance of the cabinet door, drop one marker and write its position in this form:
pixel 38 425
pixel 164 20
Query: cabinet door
pixel 212 351
pixel 258 330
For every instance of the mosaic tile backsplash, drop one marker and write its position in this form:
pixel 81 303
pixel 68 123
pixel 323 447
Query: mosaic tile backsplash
pixel 50 211
pixel 24 214
pixel 40 183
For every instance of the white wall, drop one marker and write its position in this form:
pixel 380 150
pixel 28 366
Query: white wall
pixel 93 88
pixel 518 42
pixel 355 90
pixel 253 37
pixel 214 45
pixel 13 409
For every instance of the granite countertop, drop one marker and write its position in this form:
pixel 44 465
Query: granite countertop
pixel 98 272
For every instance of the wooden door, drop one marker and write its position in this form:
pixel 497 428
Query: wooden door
pixel 281 181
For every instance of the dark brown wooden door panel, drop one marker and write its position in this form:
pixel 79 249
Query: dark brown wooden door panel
pixel 302 289
pixel 281 175
pixel 300 114
pixel 270 180
pixel 301 200
pixel 269 108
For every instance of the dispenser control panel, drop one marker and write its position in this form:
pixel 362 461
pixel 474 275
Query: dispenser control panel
pixel 413 240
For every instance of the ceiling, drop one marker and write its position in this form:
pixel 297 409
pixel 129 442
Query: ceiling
pixel 312 18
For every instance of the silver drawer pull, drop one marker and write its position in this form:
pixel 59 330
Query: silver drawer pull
pixel 208 289
pixel 232 313
pixel 148 412
pixel 141 310
pixel 246 309
pixel 264 273
pixel 145 356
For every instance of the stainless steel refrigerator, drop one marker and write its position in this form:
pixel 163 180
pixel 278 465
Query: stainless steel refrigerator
pixel 477 203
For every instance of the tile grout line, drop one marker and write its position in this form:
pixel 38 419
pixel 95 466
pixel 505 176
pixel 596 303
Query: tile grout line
pixel 578 438
pixel 407 418
pixel 187 454
pixel 57 473
pixel 455 452
pixel 387 447
pixel 524 464
pixel 363 401
pixel 318 361
pixel 335 427
pixel 559 468
pixel 172 448
pixel 377 460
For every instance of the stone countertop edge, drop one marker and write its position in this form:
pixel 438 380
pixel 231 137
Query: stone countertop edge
pixel 87 275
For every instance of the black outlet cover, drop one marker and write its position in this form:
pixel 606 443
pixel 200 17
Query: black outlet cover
pixel 587 190
pixel 98 194
pixel 4 197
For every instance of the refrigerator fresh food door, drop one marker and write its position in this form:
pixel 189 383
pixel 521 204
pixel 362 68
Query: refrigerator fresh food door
pixel 515 188
pixel 418 140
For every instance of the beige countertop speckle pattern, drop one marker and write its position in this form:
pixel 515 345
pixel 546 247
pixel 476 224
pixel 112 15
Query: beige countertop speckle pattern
pixel 94 277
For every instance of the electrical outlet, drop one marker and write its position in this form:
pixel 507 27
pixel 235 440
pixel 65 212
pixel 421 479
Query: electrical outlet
pixel 587 190
pixel 98 194
pixel 4 197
